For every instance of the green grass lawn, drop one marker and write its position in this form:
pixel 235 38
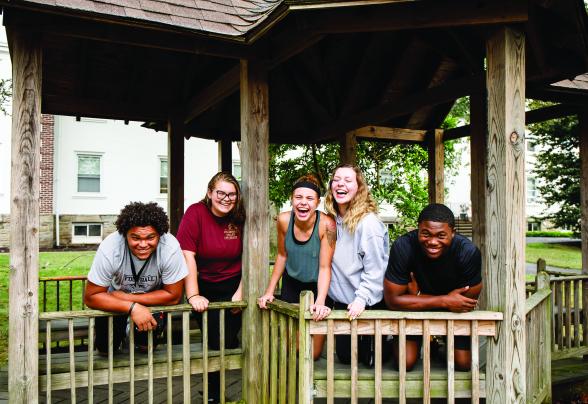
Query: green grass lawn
pixel 557 255
pixel 50 264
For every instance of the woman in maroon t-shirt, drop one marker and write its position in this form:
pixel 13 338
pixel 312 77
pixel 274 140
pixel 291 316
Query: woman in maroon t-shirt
pixel 210 236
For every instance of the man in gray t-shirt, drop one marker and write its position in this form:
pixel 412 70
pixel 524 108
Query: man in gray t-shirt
pixel 140 265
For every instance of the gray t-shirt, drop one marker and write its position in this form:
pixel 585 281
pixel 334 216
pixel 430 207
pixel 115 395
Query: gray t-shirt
pixel 112 266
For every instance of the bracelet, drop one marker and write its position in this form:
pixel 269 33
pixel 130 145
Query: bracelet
pixel 131 308
pixel 188 299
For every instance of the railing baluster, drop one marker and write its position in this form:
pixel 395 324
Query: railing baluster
pixel 402 361
pixel 577 313
pixel 70 295
pixel 274 357
pixel 378 362
pixel 150 366
pixel 553 314
pixel 91 327
pixel 131 361
pixel 475 364
pixel 568 314
pixel 585 311
pixel 450 363
pixel 57 302
pixel 48 361
pixel 559 313
pixel 186 355
pixel 72 360
pixel 110 359
pixel 291 361
pixel 44 296
pixel 222 354
pixel 168 346
pixel 205 355
pixel 283 359
pixel 426 362
pixel 330 362
pixel 354 344
pixel 82 305
pixel 266 356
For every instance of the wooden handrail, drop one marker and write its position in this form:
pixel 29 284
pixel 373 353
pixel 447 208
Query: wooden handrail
pixel 536 299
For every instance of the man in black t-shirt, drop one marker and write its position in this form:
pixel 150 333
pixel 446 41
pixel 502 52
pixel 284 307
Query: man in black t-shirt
pixel 433 268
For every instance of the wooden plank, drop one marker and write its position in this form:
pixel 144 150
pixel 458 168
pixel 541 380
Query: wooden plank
pixel 505 212
pixel 283 359
pixel 354 364
pixel 48 367
pixel 583 120
pixel 175 173
pixel 475 369
pixel 568 314
pixel 402 362
pixel 292 338
pixel 397 134
pixel 450 363
pixel 273 396
pixel 91 327
pixel 558 287
pixel 150 366
pixel 440 316
pixel 23 306
pixel 348 148
pixel 436 152
pixel 110 361
pixel 378 363
pixel 426 362
pixel 72 362
pixel 542 281
pixel 330 363
pixel 169 386
pixel 132 349
pixel 255 165
pixel 222 377
pixel 265 365
pixel 186 362
pixel 305 360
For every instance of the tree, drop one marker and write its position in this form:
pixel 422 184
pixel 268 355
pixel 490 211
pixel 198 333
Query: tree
pixel 558 167
pixel 5 94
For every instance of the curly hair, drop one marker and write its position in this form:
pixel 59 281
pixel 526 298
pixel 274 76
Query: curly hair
pixel 437 212
pixel 142 214
pixel 237 214
pixel 362 204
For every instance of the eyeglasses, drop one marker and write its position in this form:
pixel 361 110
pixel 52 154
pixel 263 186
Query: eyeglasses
pixel 222 195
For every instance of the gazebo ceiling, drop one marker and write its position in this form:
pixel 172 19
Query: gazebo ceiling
pixel 333 66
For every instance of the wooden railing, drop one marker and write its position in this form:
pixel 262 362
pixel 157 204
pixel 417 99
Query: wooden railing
pixel 84 368
pixel 326 378
pixel 538 342
pixel 68 290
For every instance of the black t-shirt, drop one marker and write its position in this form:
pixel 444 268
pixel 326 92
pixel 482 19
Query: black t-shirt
pixel 459 266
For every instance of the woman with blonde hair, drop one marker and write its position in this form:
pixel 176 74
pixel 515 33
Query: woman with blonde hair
pixel 210 236
pixel 306 241
pixel 361 254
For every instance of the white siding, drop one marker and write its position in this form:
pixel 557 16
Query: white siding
pixel 5 123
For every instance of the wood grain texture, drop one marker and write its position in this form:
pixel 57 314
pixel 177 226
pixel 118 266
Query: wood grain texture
pixel 255 165
pixel 436 152
pixel 583 118
pixel 505 213
pixel 24 217
pixel 175 178
pixel 348 148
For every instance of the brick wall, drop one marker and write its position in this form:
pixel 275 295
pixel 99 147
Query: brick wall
pixel 46 180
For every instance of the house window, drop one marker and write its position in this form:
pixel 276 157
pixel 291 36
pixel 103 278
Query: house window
pixel 87 233
pixel 532 191
pixel 237 170
pixel 88 173
pixel 163 176
pixel 533 226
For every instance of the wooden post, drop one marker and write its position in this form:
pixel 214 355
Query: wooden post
pixel 175 178
pixel 255 175
pixel 542 282
pixel 504 256
pixel 23 334
pixel 478 141
pixel 225 156
pixel 348 150
pixel 436 152
pixel 583 118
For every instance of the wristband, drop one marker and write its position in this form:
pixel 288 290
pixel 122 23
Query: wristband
pixel 131 308
pixel 188 299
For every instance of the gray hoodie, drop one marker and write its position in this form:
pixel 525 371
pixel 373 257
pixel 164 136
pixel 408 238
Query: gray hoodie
pixel 360 262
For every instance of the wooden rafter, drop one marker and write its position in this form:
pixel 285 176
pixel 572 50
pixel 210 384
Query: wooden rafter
pixel 394 134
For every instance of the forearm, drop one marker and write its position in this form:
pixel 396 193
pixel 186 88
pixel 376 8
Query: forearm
pixel 324 280
pixel 107 302
pixel 159 297
pixel 191 281
pixel 410 302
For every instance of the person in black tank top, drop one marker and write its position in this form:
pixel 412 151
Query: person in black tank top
pixel 306 243
pixel 433 268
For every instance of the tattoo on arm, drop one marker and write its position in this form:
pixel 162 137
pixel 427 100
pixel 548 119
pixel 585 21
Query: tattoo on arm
pixel 331 237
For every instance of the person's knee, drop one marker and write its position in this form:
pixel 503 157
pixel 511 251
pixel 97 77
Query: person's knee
pixel 463 360
pixel 411 353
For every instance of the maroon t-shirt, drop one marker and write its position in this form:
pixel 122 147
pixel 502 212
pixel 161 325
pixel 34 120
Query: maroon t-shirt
pixel 217 243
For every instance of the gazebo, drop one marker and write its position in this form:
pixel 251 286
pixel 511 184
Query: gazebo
pixel 301 71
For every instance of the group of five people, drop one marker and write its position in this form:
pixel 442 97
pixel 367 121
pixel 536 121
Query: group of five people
pixel 343 256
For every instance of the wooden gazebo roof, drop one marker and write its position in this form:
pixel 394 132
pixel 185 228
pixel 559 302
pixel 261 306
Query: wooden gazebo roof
pixel 334 66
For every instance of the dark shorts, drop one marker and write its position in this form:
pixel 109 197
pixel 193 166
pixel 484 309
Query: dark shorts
pixel 291 288
pixel 460 342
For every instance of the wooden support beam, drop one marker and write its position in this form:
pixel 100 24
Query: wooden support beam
pixel 175 173
pixel 394 134
pixel 504 258
pixel 532 116
pixel 348 148
pixel 414 15
pixel 225 156
pixel 562 95
pixel 255 179
pixel 436 152
pixel 388 110
pixel 583 118
pixel 478 144
pixel 23 330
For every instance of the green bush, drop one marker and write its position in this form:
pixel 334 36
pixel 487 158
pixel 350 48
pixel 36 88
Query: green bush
pixel 549 234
